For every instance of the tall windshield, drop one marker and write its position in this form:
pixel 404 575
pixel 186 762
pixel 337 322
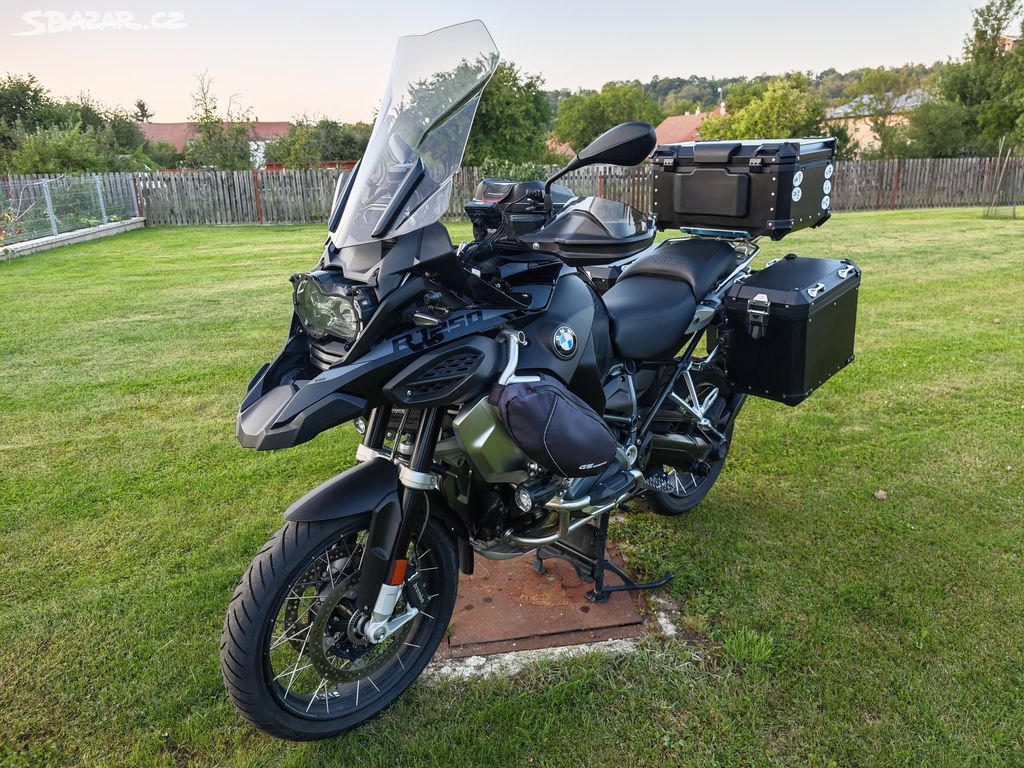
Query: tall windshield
pixel 404 181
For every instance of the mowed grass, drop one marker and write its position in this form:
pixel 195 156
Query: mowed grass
pixel 835 629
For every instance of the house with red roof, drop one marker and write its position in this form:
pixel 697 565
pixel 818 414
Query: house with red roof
pixel 679 128
pixel 179 134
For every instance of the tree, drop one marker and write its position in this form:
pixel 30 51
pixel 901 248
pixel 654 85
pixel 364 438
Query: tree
pixel 308 143
pixel 494 168
pixel 741 94
pixel 512 120
pixel 785 109
pixel 938 129
pixel 82 111
pixel 142 111
pixel 24 102
pixel 124 131
pixel 674 106
pixel 219 142
pixel 988 81
pixel 846 147
pixel 583 117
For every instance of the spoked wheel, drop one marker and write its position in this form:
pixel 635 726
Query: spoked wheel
pixel 291 659
pixel 675 490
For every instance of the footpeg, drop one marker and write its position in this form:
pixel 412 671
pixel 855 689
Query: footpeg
pixel 611 489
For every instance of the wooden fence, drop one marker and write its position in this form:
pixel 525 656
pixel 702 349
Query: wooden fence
pixel 874 185
pixel 304 195
pixel 237 197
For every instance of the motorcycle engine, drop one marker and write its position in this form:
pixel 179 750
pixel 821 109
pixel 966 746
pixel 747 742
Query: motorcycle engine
pixel 512 208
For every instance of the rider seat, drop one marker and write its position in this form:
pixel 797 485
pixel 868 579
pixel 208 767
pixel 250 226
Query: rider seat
pixel 654 301
pixel 701 263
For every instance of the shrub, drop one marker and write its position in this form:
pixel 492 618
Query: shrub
pixel 502 169
pixel 58 150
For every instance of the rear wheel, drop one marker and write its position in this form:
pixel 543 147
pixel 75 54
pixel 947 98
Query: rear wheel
pixel 290 659
pixel 676 490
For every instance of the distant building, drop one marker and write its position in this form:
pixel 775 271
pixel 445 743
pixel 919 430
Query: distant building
pixel 560 148
pixel 679 128
pixel 856 116
pixel 179 134
pixel 1008 43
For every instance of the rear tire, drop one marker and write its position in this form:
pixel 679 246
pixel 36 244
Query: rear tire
pixel 693 488
pixel 298 555
pixel 669 504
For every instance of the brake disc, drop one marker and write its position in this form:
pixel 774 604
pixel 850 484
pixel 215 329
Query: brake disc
pixel 321 580
pixel 336 649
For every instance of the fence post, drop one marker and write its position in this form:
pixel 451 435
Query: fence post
pixel 99 196
pixel 136 193
pixel 896 183
pixel 256 194
pixel 49 206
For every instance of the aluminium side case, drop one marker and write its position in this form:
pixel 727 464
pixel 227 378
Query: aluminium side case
pixel 792 326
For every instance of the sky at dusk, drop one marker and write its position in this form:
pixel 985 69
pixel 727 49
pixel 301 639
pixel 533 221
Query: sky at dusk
pixel 331 59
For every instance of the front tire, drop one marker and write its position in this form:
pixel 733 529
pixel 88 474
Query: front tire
pixel 289 663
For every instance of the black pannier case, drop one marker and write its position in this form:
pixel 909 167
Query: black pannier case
pixel 751 188
pixel 791 326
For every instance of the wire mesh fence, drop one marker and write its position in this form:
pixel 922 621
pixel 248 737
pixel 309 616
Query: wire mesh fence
pixel 33 206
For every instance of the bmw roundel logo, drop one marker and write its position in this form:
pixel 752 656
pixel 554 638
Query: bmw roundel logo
pixel 564 342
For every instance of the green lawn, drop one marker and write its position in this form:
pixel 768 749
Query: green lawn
pixel 835 629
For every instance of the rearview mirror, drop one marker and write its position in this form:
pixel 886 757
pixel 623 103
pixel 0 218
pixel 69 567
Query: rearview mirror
pixel 625 144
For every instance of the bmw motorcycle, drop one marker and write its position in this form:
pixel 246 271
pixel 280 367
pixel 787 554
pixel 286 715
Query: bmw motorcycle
pixel 510 392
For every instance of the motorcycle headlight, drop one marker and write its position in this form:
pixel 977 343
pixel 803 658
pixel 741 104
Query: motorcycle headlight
pixel 325 309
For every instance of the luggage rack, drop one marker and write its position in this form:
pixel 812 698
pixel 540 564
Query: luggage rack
pixel 723 234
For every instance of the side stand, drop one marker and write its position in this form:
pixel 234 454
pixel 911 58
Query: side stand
pixel 585 549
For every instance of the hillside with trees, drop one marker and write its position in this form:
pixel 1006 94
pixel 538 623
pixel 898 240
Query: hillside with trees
pixel 965 106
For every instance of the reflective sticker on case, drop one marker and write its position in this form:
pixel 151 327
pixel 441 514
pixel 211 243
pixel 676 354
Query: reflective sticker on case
pixel 797 194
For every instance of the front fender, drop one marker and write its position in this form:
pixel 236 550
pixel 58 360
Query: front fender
pixel 373 486
pixel 368 487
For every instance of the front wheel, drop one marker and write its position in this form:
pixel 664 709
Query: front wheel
pixel 290 660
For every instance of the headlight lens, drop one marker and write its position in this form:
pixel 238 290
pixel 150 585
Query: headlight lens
pixel 322 313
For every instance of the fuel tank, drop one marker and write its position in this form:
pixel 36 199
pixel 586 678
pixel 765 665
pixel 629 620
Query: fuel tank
pixel 571 340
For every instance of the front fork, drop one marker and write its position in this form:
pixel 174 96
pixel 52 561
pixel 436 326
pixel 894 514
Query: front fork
pixel 383 568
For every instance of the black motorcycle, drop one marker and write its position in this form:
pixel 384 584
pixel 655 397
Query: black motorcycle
pixel 510 392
